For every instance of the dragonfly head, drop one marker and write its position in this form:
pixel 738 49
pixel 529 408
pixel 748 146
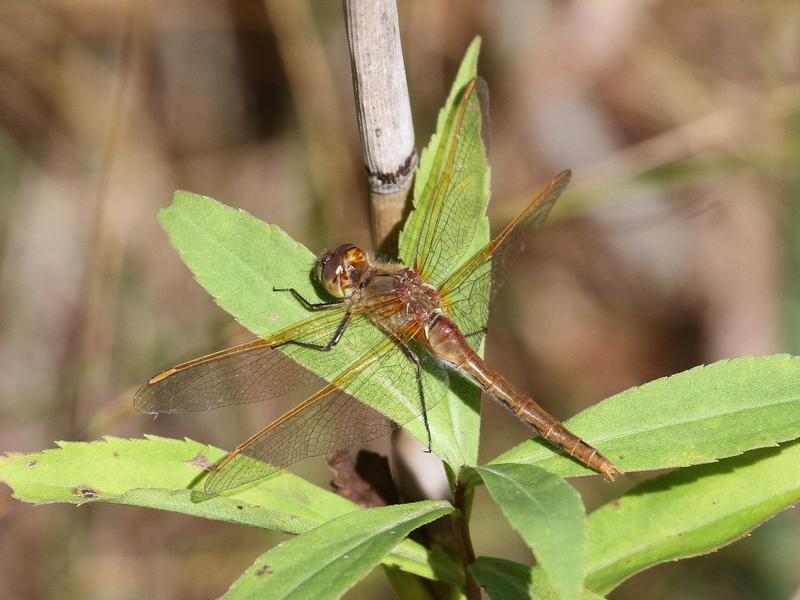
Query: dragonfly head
pixel 342 270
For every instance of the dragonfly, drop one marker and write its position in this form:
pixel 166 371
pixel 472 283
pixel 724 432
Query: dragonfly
pixel 418 323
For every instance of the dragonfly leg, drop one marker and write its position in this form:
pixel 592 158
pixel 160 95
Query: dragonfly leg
pixel 324 347
pixel 306 303
pixel 415 359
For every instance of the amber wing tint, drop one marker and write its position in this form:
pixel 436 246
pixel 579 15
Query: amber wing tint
pixel 365 400
pixel 454 207
pixel 337 416
pixel 484 273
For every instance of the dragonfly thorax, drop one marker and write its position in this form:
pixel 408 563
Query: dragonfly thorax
pixel 422 300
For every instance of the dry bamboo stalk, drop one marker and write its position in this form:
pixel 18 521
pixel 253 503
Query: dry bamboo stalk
pixel 383 111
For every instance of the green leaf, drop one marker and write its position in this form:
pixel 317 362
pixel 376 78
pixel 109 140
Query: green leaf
pixel 549 515
pixel 159 472
pixel 689 512
pixel 407 587
pixel 461 412
pixel 694 417
pixel 508 580
pixel 328 560
pixel 239 259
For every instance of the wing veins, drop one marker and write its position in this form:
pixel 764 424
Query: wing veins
pixel 231 374
pixel 425 241
pixel 333 390
pixel 546 199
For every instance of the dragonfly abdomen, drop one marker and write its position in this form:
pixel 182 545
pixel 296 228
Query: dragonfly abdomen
pixel 449 344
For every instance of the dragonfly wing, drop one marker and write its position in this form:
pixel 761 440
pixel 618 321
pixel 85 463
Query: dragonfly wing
pixel 378 393
pixel 251 372
pixel 485 272
pixel 469 304
pixel 450 204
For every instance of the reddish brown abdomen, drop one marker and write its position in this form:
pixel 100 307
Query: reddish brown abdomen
pixel 448 343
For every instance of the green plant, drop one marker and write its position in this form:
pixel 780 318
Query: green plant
pixel 721 424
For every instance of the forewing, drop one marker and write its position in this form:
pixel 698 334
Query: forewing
pixel 484 273
pixel 335 418
pixel 251 372
pixel 452 202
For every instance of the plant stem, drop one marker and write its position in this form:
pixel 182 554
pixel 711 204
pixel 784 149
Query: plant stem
pixel 383 111
pixel 462 500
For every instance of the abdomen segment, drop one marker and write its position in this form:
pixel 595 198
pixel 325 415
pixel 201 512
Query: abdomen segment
pixel 448 343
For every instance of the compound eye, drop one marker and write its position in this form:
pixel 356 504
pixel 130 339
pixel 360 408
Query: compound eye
pixel 333 271
pixel 319 269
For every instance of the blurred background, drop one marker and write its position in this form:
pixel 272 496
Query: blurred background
pixel 677 244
